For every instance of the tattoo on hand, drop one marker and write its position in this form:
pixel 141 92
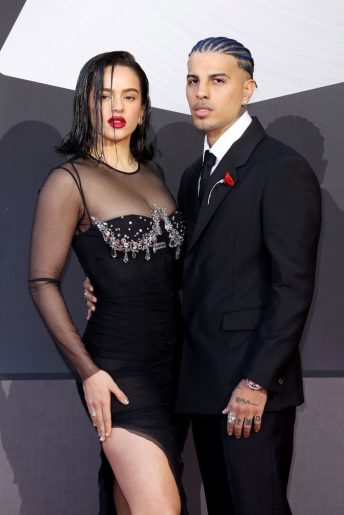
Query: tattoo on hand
pixel 245 401
pixel 237 420
pixel 257 418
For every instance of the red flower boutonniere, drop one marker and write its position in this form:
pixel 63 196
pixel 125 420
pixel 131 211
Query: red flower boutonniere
pixel 227 180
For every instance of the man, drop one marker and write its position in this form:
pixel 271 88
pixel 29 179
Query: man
pixel 252 209
pixel 253 217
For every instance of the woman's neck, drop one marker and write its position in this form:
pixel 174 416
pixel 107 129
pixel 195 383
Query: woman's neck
pixel 117 156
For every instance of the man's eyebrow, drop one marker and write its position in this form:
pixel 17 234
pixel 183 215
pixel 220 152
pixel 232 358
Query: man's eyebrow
pixel 219 74
pixel 211 76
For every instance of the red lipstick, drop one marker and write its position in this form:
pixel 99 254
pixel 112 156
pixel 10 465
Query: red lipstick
pixel 117 122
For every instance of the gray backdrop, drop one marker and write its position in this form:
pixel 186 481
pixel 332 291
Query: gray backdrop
pixel 48 452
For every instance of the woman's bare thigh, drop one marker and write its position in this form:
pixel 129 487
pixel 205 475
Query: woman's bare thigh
pixel 143 473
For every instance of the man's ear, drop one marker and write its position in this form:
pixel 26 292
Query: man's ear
pixel 249 87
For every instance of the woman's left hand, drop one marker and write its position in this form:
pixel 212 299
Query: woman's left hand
pixel 98 389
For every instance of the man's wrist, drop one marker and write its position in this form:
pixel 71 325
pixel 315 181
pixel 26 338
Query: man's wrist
pixel 252 385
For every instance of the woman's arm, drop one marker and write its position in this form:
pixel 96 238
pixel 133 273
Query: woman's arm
pixel 58 211
pixel 56 218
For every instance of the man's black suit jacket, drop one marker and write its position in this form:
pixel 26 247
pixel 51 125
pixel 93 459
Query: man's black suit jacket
pixel 248 273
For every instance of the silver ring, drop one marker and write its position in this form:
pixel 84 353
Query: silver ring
pixel 93 414
pixel 231 417
pixel 85 294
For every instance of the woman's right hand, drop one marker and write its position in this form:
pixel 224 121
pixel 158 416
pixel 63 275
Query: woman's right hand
pixel 90 298
pixel 98 389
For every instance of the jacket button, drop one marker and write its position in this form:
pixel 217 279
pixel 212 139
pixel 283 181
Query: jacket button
pixel 281 380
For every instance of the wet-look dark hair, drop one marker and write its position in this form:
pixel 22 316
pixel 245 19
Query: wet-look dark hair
pixel 84 134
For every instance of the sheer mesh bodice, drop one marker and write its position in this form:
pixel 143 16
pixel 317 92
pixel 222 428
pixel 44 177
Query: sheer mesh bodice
pixel 76 198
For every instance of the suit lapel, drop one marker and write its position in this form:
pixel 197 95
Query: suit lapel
pixel 219 193
pixel 234 159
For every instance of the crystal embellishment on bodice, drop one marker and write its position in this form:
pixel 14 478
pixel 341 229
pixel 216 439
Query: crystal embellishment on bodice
pixel 143 240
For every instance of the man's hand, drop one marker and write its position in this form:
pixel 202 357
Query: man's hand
pixel 245 408
pixel 90 298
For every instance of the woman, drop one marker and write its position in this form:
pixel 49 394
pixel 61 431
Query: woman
pixel 110 204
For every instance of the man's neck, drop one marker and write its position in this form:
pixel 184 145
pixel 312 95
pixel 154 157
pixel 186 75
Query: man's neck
pixel 229 136
pixel 213 136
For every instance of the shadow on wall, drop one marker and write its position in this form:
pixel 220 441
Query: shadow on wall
pixel 322 343
pixel 177 146
pixel 51 448
pixel 27 154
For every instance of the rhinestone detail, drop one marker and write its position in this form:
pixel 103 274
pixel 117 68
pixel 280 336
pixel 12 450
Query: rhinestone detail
pixel 144 241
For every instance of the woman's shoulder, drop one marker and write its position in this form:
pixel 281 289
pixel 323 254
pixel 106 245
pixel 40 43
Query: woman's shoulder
pixel 64 175
pixel 72 164
pixel 75 168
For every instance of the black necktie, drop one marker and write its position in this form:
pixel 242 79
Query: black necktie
pixel 208 162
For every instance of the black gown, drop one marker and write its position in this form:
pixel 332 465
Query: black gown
pixel 134 334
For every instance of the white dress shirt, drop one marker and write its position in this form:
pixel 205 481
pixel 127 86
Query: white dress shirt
pixel 226 140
